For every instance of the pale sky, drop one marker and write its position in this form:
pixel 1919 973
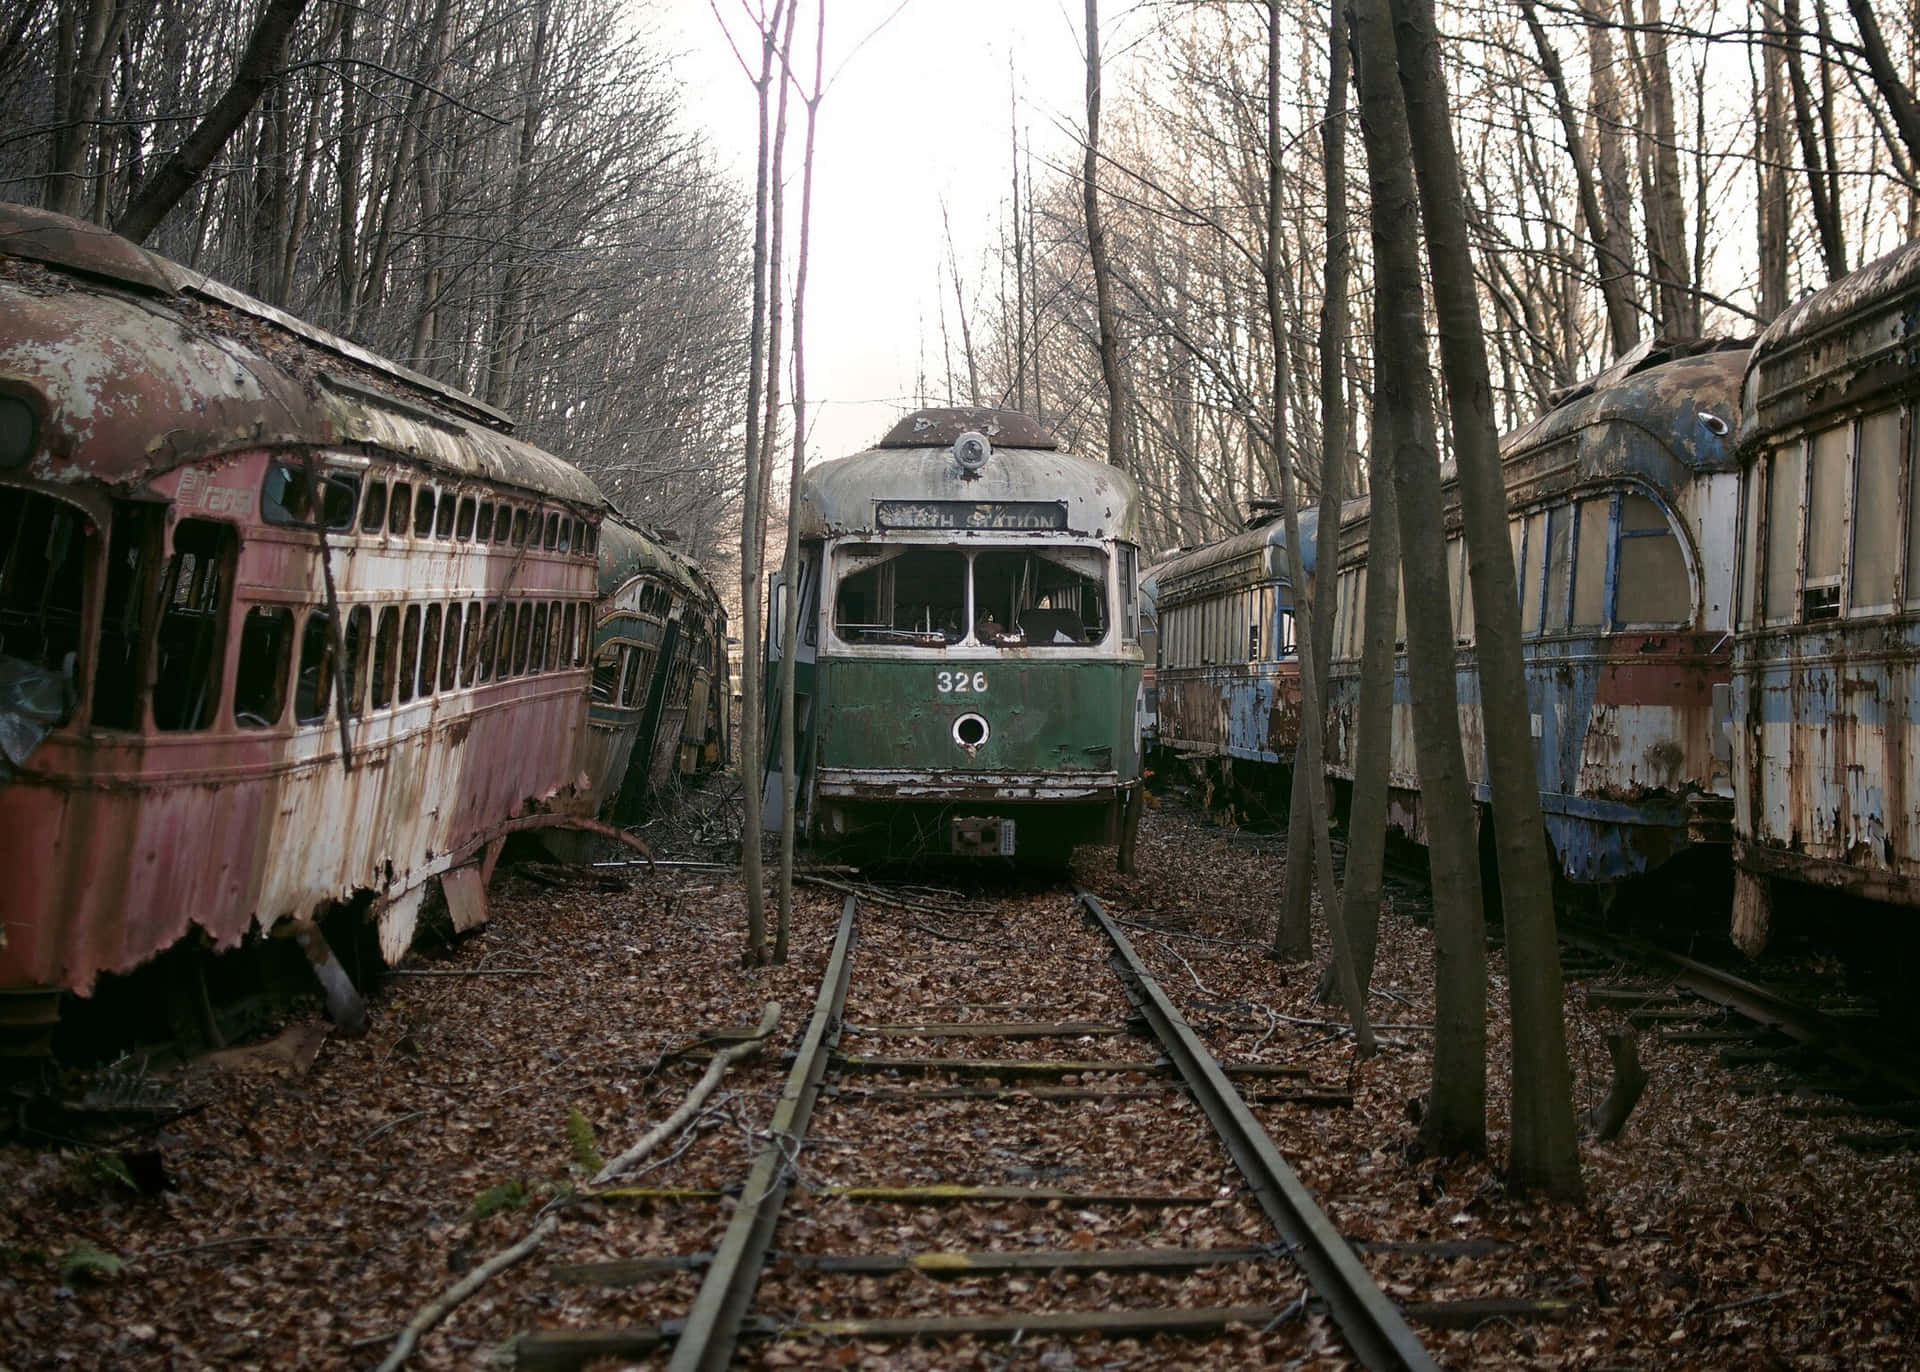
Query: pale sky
pixel 919 112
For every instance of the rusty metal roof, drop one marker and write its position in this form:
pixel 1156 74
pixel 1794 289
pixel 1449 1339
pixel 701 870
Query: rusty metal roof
pixel 839 497
pixel 628 551
pixel 939 429
pixel 1853 343
pixel 1253 555
pixel 1690 406
pixel 135 382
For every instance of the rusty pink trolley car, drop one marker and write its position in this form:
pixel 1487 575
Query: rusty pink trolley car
pixel 284 627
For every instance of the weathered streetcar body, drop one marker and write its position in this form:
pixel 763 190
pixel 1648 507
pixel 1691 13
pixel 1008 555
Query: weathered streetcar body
pixel 206 508
pixel 970 666
pixel 1229 680
pixel 1826 665
pixel 1622 503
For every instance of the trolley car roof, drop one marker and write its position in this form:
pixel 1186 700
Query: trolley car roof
pixel 1842 345
pixel 627 552
pixel 844 496
pixel 1690 405
pixel 1253 555
pixel 143 366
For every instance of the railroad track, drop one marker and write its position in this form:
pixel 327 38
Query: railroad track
pixel 1288 1268
pixel 1690 1002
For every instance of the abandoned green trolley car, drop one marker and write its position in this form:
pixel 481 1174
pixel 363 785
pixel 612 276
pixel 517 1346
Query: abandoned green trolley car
pixel 969 663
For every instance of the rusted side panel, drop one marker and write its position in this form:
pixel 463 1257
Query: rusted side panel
pixel 1825 745
pixel 1250 711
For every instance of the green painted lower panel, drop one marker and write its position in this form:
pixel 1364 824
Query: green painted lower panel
pixel 1068 716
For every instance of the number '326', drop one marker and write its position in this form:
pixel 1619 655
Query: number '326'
pixel 957 682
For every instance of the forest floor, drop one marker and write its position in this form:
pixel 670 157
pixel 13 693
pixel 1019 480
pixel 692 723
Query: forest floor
pixel 320 1190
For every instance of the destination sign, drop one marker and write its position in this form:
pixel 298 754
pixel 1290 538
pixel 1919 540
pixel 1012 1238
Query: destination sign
pixel 971 514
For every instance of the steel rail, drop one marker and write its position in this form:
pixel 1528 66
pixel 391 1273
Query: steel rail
pixel 712 1328
pixel 1373 1325
pixel 1754 1002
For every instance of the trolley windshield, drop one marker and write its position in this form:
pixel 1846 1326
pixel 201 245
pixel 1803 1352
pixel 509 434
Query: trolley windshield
pixel 1050 596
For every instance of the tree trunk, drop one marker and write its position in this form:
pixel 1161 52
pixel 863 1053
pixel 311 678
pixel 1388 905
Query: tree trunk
pixel 1771 155
pixel 1312 715
pixel 1610 125
pixel 1612 266
pixel 1826 209
pixel 176 176
pixel 1899 98
pixel 1545 1151
pixel 790 627
pixel 1293 936
pixel 1666 213
pixel 1097 252
pixel 752 688
pixel 1456 1120
pixel 1373 724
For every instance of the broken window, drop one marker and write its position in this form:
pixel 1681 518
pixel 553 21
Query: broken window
pixel 490 643
pixel 386 656
pixel 552 539
pixel 1533 573
pixel 1876 513
pixel 1559 556
pixel 424 505
pixel 430 650
pixel 483 527
pixel 1593 539
pixel 443 521
pixel 639 675
pixel 193 624
pixel 359 629
pixel 401 509
pixel 583 636
pixel 1785 492
pixel 606 673
pixel 1048 596
pixel 901 594
pixel 43 578
pixel 519 528
pixel 260 680
pixel 132 546
pixel 450 651
pixel 315 682
pixel 566 535
pixel 570 638
pixel 522 637
pixel 463 519
pixel 1651 585
pixel 373 513
pixel 286 496
pixel 470 650
pixel 409 652
pixel 1826 523
pixel 537 654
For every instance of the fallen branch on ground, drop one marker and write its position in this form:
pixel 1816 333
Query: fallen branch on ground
pixel 437 1310
pixel 705 1087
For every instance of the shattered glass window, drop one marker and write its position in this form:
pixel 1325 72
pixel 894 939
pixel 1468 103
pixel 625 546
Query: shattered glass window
pixel 266 653
pixel 193 624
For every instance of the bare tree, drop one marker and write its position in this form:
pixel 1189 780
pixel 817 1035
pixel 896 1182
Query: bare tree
pixel 1545 1152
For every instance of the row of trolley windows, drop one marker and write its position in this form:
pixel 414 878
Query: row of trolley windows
pixel 1822 529
pixel 402 507
pixel 412 652
pixel 1600 563
pixel 926 596
pixel 1248 625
